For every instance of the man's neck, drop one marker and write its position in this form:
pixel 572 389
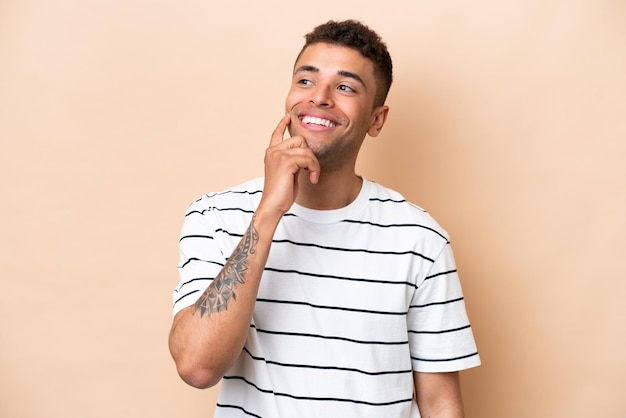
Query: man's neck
pixel 333 191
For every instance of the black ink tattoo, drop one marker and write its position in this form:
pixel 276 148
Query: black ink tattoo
pixel 222 290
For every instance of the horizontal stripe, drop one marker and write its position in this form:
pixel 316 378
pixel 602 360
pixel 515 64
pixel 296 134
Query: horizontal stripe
pixel 220 405
pixel 362 250
pixel 314 398
pixel 445 359
pixel 230 234
pixel 189 260
pixel 233 191
pixel 195 236
pixel 308 366
pixel 329 337
pixel 330 276
pixel 443 273
pixel 445 302
pixel 336 308
pixel 195 280
pixel 442 331
pixel 213 208
pixel 323 247
pixel 378 199
pixel 396 226
pixel 185 295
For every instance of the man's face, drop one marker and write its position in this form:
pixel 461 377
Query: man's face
pixel 331 102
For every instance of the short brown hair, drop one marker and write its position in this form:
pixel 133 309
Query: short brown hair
pixel 355 35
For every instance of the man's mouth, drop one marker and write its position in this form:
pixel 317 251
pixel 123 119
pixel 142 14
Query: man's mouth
pixel 312 120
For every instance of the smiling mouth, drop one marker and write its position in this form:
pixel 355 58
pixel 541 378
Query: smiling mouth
pixel 311 120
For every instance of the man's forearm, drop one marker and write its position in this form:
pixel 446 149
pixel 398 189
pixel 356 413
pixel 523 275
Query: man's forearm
pixel 207 337
pixel 221 292
pixel 439 394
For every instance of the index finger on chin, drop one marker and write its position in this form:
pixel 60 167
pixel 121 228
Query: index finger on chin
pixel 279 132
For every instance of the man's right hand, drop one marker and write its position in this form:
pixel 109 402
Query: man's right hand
pixel 284 160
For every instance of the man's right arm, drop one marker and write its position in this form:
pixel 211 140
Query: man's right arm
pixel 206 338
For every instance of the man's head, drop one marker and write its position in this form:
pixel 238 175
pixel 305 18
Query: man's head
pixel 355 35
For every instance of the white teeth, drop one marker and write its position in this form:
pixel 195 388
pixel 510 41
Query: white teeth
pixel 317 121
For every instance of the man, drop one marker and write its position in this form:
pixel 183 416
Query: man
pixel 313 292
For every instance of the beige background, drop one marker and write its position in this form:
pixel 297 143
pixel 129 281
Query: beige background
pixel 507 123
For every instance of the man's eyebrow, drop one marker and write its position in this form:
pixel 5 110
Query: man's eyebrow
pixel 343 73
pixel 351 75
pixel 306 68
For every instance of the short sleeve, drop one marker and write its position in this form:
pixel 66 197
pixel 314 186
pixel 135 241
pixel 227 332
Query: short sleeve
pixel 440 335
pixel 201 259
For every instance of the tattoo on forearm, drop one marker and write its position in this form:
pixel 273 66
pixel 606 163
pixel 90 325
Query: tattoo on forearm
pixel 222 290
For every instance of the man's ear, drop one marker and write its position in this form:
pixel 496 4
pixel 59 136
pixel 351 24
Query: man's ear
pixel 378 120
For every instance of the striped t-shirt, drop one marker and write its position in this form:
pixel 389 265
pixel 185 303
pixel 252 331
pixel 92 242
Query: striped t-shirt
pixel 351 302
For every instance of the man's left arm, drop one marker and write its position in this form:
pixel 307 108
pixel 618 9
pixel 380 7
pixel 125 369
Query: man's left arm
pixel 438 394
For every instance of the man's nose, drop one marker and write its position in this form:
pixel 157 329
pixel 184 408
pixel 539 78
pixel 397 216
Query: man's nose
pixel 321 96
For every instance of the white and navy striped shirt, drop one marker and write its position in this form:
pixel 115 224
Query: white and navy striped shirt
pixel 351 302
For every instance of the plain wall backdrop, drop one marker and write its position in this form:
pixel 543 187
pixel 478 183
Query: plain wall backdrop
pixel 507 123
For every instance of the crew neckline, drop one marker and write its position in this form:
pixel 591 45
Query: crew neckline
pixel 334 215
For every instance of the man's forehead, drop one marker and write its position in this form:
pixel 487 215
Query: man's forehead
pixel 341 60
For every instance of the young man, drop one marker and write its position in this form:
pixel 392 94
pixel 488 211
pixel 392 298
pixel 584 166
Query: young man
pixel 313 292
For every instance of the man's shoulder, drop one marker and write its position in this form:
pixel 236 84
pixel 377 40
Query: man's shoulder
pixel 397 200
pixel 240 196
pixel 392 204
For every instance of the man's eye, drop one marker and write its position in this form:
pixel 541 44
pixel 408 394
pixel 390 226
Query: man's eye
pixel 344 87
pixel 305 82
